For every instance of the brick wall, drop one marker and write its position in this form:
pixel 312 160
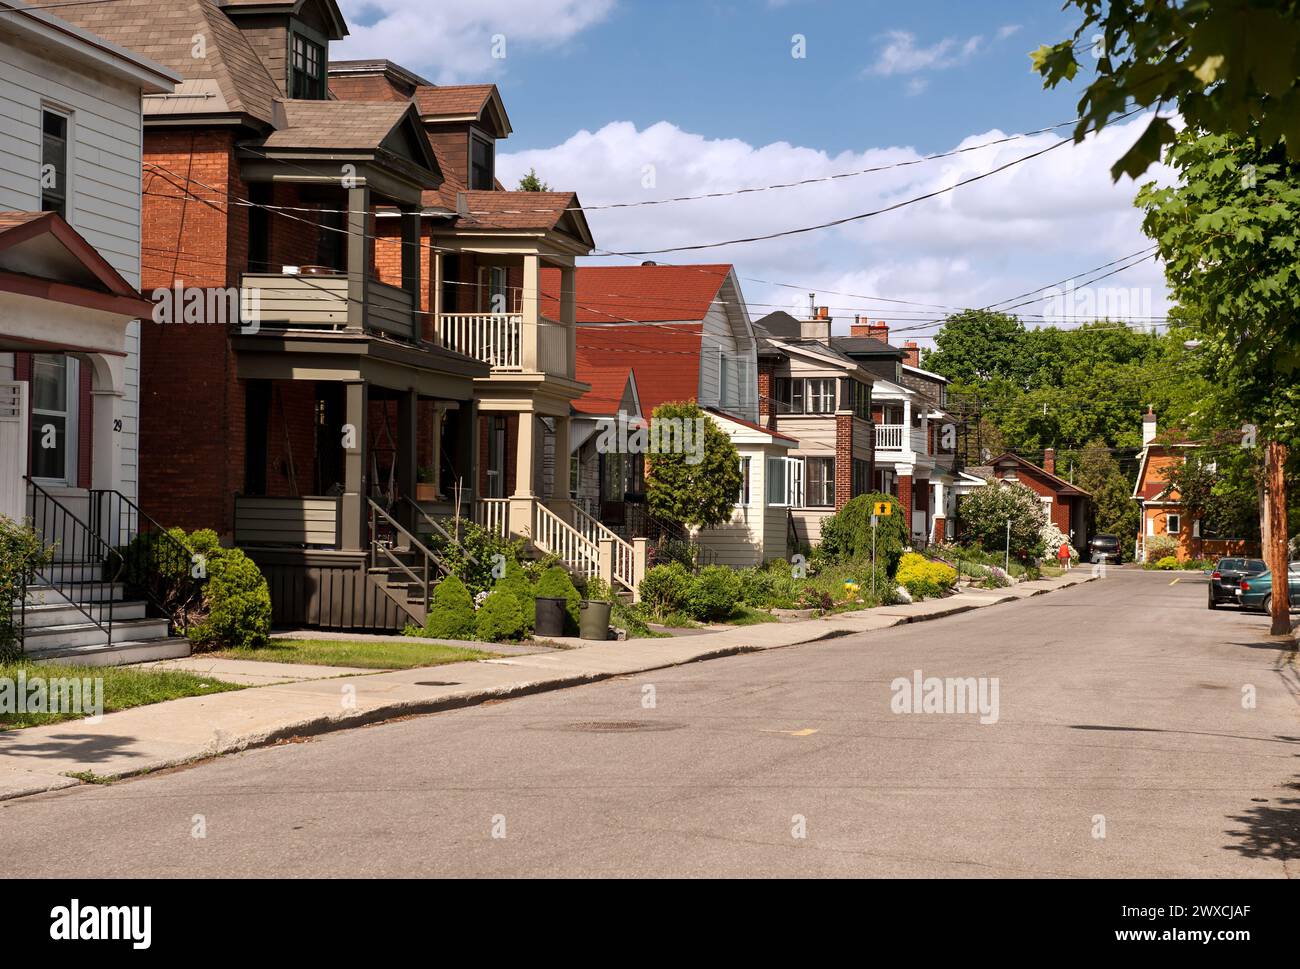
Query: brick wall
pixel 905 498
pixel 843 459
pixel 192 404
pixel 766 382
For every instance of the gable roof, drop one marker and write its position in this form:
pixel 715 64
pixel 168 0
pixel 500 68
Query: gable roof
pixel 479 103
pixel 338 26
pixel 514 211
pixel 638 294
pixel 1059 485
pixel 41 255
pixel 775 435
pixel 230 79
pixel 664 361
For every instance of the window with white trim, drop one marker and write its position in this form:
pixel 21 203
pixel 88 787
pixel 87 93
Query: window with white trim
pixel 1173 524
pixel 820 476
pixel 785 482
pixel 54 387
pixel 743 497
pixel 821 395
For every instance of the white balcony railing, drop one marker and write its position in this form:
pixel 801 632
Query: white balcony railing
pixel 898 437
pixel 494 338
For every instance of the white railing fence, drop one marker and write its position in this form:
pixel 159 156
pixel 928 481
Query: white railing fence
pixel 624 555
pixel 494 515
pixel 553 534
pixel 494 338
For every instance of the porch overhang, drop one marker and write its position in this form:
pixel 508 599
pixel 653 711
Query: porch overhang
pixel 543 394
pixel 351 357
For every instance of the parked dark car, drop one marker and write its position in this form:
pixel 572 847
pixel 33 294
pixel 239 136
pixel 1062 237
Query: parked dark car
pixel 1257 590
pixel 1225 580
pixel 1103 548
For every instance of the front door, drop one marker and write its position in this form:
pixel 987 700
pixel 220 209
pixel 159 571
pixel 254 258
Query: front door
pixel 13 449
pixel 54 419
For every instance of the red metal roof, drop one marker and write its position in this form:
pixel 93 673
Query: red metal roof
pixel 665 360
pixel 640 294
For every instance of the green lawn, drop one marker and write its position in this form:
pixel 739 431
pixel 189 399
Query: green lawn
pixel 379 655
pixel 124 687
pixel 748 616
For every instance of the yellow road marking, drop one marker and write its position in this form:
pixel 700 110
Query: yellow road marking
pixel 1176 581
pixel 805 732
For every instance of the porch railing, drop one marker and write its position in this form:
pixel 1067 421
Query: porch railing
pixel 494 338
pixel 553 534
pixel 84 568
pixel 624 554
pixel 494 515
pixel 889 437
pixel 159 566
pixel 430 567
pixel 298 522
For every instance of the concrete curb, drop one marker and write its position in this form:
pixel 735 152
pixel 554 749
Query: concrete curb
pixel 167 724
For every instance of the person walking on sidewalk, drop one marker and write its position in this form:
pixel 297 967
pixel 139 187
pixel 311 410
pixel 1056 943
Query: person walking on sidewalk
pixel 1063 555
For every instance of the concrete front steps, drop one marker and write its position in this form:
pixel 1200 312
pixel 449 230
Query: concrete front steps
pixel 58 630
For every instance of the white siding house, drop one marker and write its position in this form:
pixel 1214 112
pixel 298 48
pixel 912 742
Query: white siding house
pixel 54 75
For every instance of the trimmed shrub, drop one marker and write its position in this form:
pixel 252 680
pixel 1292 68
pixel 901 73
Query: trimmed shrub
pixel 1158 547
pixel 846 535
pixel 516 582
pixel 556 583
pixel 714 594
pixel 771 587
pixel 451 611
pixel 1168 564
pixel 238 604
pixel 666 588
pixel 923 578
pixel 22 554
pixel 501 618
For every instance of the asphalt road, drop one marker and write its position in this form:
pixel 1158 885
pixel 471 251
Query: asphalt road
pixel 1120 712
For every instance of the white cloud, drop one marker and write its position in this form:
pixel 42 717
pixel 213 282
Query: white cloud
pixel 1038 222
pixel 1007 30
pixel 456 42
pixel 901 55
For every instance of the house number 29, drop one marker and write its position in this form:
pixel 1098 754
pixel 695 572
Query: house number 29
pixel 117 424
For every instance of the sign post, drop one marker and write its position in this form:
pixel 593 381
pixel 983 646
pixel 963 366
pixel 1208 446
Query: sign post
pixel 885 508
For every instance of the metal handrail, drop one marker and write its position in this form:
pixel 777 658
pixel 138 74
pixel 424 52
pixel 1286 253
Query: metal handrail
pixel 377 513
pixel 437 526
pixel 178 611
pixel 46 509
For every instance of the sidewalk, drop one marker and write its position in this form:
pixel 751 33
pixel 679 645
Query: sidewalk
pixel 177 732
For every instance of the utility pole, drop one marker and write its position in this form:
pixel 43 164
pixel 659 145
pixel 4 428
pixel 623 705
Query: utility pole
pixel 1274 532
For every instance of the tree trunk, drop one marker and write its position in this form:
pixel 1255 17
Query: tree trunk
pixel 1275 547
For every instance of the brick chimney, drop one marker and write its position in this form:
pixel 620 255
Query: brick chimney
pixel 1149 425
pixel 1049 460
pixel 862 326
pixel 911 354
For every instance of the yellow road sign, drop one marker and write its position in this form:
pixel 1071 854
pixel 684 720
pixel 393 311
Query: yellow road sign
pixel 883 508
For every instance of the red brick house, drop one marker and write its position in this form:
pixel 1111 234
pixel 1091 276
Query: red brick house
pixel 1065 504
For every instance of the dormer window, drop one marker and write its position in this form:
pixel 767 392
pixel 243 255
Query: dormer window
pixel 482 177
pixel 307 69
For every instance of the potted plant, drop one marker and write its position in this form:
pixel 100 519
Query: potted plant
pixel 426 489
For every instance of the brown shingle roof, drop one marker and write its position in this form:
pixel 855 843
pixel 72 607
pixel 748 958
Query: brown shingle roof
pixel 518 210
pixel 456 99
pixel 341 125
pixel 165 33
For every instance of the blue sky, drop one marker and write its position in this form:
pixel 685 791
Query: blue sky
pixel 726 69
pixel 624 100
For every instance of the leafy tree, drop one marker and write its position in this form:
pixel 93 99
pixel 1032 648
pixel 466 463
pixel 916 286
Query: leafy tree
pixel 1112 509
pixel 984 514
pixel 1227 66
pixel 684 485
pixel 846 535
pixel 976 346
pixel 531 183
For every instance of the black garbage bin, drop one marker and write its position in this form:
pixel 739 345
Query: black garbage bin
pixel 550 616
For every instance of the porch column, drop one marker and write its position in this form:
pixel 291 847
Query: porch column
pixel 904 492
pixel 107 383
pixel 410 236
pixel 569 317
pixel 439 415
pixel 939 513
pixel 531 307
pixel 435 298
pixel 408 443
pixel 353 508
pixel 521 502
pixel 358 255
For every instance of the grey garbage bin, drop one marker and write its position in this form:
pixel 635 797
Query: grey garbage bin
pixel 594 619
pixel 550 617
